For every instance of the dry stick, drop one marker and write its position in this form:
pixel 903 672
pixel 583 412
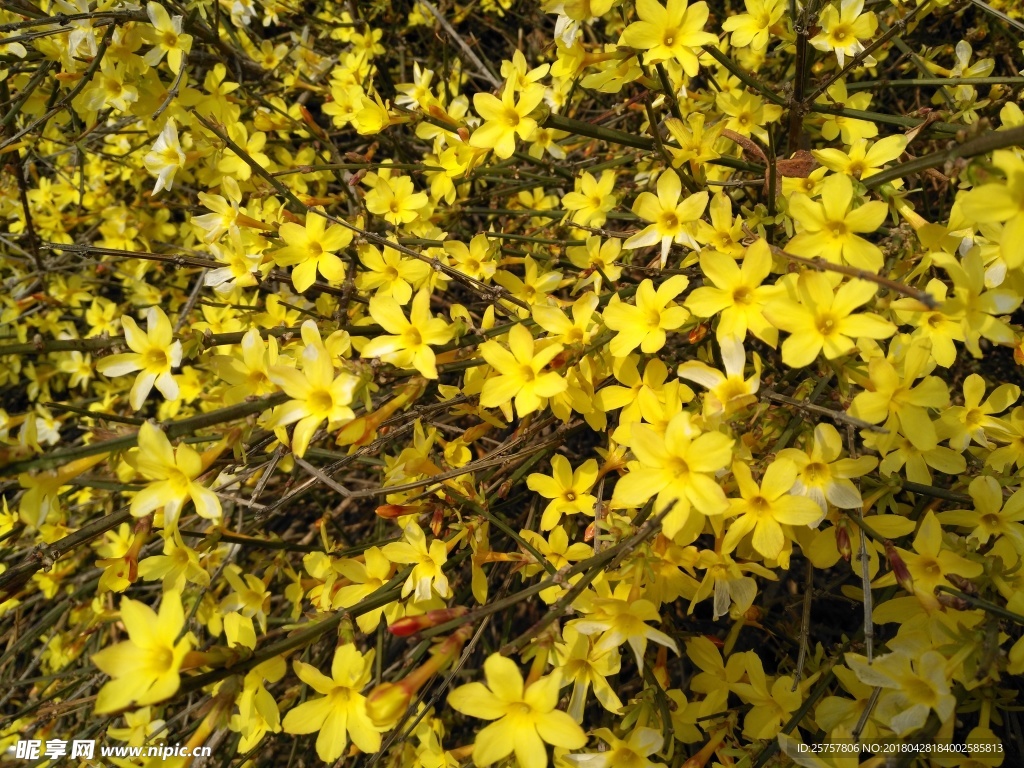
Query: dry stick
pixel 175 88
pixel 861 274
pixel 981 145
pixel 862 721
pixel 805 627
pixel 865 561
pixel 839 416
pixel 482 69
pixel 190 304
pixel 487 292
pixel 323 478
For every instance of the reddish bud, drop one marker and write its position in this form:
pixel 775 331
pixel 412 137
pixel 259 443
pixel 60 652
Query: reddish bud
pixel 696 336
pixel 843 540
pixel 899 568
pixel 952 601
pixel 393 511
pixel 410 625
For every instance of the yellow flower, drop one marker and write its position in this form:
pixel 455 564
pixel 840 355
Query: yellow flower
pixel 991 517
pixel 696 145
pixel 410 346
pixel 644 325
pixel 597 262
pixel 913 687
pixel 679 467
pixel 579 330
pixel 165 158
pixel 671 220
pixel 765 509
pixel 862 161
pixel 620 619
pixel 340 713
pixel 1001 202
pixel 166 34
pixel 505 118
pixel 520 373
pixel 822 476
pixel 770 708
pixel 153 354
pixel 829 229
pixel 725 232
pixel 475 260
pixel 896 400
pixel 569 491
pixel 624 753
pixel 976 420
pixel 823 320
pixel 248 375
pixel 389 273
pixel 312 248
pixel 427 575
pixel 675 32
pixel 842 30
pixel 836 124
pixel 752 28
pixel 584 667
pixel 317 395
pixel 592 199
pixel 172 475
pixel 729 391
pixel 735 294
pixel 396 200
pixel 146 666
pixel 525 717
pixel 178 564
pixel 976 305
pixel 930 564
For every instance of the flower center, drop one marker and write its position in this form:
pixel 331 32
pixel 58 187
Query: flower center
pixel 321 401
pixel 815 473
pixel 827 324
pixel 161 660
pixel 742 295
pixel 669 221
pixel 155 358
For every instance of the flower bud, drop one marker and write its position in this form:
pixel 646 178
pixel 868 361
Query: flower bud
pixel 899 568
pixel 386 703
pixel 394 511
pixel 843 540
pixel 410 625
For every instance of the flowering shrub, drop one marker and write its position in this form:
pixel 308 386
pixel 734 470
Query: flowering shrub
pixel 599 383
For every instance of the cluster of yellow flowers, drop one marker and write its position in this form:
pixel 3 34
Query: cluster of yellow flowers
pixel 403 374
